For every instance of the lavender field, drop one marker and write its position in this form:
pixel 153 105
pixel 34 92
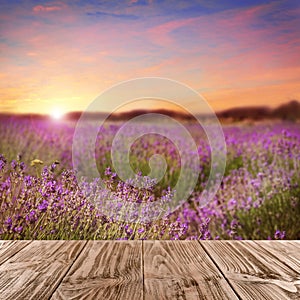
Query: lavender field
pixel 40 197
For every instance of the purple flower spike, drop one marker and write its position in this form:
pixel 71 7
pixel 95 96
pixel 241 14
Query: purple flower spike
pixel 43 206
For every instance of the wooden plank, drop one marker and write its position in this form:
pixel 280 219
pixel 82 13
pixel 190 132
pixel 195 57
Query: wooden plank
pixel 10 248
pixel 287 252
pixel 105 270
pixel 182 270
pixel 254 272
pixel 36 270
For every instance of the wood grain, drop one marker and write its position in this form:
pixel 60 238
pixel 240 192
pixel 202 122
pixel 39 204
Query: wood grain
pixel 286 251
pixel 10 248
pixel 254 272
pixel 150 270
pixel 105 270
pixel 35 271
pixel 182 270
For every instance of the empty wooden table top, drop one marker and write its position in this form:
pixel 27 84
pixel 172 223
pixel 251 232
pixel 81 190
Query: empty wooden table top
pixel 149 270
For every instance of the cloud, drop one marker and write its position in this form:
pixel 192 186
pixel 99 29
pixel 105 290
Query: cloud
pixel 140 2
pixel 119 16
pixel 161 34
pixel 49 8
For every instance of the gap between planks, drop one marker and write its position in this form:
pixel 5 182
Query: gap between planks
pixel 220 270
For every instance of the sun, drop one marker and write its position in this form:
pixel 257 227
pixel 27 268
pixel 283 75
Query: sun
pixel 57 113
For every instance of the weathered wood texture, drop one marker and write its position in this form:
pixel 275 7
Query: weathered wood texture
pixel 36 270
pixel 105 270
pixel 182 270
pixel 257 272
pixel 149 270
pixel 9 248
pixel 284 250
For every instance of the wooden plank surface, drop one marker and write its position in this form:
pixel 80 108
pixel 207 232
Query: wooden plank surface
pixel 36 270
pixel 255 272
pixel 105 270
pixel 182 270
pixel 10 248
pixel 150 270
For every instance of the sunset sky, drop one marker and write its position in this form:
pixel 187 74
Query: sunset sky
pixel 60 55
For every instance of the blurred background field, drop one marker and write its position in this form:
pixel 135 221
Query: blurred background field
pixel 259 197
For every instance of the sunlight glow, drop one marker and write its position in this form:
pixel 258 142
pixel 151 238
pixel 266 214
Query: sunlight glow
pixel 56 114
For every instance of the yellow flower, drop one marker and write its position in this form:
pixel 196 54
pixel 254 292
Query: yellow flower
pixel 36 162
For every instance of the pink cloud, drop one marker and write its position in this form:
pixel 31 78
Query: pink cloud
pixel 160 33
pixel 219 27
pixel 49 8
